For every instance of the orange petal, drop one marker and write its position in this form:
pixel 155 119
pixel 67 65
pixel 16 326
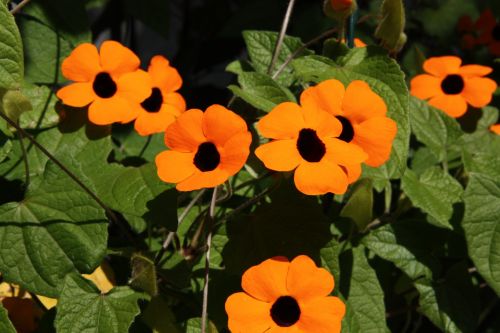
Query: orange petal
pixel 82 64
pixel 173 166
pixel 359 43
pixel 425 86
pixel 175 100
pixel 105 111
pixel 283 122
pixel 442 66
pixel 186 133
pixel 279 155
pixel 343 153
pixel 495 128
pixel 279 329
pixel 478 91
pixel 322 315
pixel 306 281
pixel 453 105
pixel 353 172
pixel 323 122
pixel 77 94
pixel 361 103
pixel 201 180
pixel 248 315
pixel 148 123
pixel 267 280
pixel 235 153
pixel 375 136
pixel 165 77
pixel 320 178
pixel 475 70
pixel 220 124
pixel 117 59
pixel 327 96
pixel 134 86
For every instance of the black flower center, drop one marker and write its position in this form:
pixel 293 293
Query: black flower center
pixel 207 158
pixel 452 84
pixel 496 32
pixel 347 130
pixel 310 147
pixel 103 85
pixel 154 101
pixel 285 311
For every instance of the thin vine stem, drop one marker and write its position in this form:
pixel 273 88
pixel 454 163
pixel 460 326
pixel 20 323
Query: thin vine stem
pixel 298 51
pixel 19 6
pixel 281 36
pixel 207 262
pixel 181 218
pixel 108 211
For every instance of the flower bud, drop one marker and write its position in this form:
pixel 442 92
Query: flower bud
pixel 339 9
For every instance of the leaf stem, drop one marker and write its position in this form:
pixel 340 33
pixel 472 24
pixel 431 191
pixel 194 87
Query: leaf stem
pixel 207 263
pixel 19 6
pixel 292 56
pixel 183 215
pixel 108 211
pixel 281 36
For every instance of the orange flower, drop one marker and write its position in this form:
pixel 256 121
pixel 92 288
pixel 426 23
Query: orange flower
pixel 357 42
pixel 340 5
pixel 449 86
pixel 164 104
pixel 306 139
pixel 362 114
pixel 109 81
pixel 206 148
pixel 283 296
pixel 495 128
pixel 489 32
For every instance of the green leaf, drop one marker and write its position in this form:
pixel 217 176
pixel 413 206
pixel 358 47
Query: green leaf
pixel 481 225
pixel 14 104
pixel 372 65
pixel 55 230
pixel 260 91
pixel 392 24
pixel 330 258
pixel 452 304
pixel 433 127
pixel 360 204
pixel 143 274
pixel 11 52
pixel 131 146
pixel 44 113
pixel 260 46
pixel 44 51
pixel 159 317
pixel 435 192
pixel 82 308
pixel 5 149
pixel 365 299
pixel 410 244
pixel 68 19
pixel 5 324
pixel 291 225
pixel 194 326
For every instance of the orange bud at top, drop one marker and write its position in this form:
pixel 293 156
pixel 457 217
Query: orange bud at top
pixel 341 4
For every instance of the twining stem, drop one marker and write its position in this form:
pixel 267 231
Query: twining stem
pixel 19 6
pixel 183 215
pixel 108 211
pixel 25 159
pixel 298 51
pixel 211 213
pixel 281 36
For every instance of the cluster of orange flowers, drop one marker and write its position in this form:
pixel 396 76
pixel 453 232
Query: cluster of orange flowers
pixel 324 140
pixel 484 31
